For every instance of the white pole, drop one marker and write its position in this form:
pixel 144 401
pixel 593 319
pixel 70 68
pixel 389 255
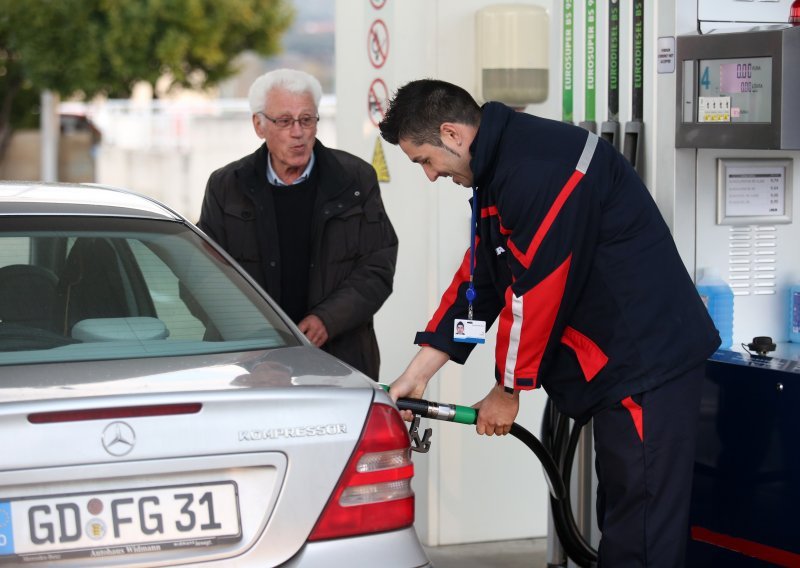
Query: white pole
pixel 50 133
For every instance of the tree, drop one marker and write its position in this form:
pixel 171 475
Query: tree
pixel 89 47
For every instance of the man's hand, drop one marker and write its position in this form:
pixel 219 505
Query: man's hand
pixel 497 412
pixel 412 383
pixel 406 386
pixel 314 330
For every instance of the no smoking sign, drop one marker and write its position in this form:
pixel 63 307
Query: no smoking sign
pixel 377 101
pixel 378 43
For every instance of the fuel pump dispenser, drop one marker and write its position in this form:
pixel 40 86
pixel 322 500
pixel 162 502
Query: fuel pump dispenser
pixel 737 110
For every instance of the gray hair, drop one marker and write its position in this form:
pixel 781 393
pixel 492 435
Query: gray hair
pixel 291 80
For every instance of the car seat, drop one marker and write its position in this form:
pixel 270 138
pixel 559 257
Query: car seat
pixel 91 284
pixel 27 295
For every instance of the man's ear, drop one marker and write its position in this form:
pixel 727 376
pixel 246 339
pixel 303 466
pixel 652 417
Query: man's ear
pixel 451 131
pixel 258 125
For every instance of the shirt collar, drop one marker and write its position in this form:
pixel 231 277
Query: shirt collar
pixel 273 178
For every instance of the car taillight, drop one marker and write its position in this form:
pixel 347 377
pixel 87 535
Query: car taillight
pixel 794 13
pixel 374 493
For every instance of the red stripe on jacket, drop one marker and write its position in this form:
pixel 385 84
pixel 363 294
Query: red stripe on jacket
pixel 590 357
pixel 636 414
pixel 525 325
pixel 449 297
pixel 526 258
pixel 492 211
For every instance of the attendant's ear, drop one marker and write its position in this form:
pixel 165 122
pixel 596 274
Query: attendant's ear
pixel 450 131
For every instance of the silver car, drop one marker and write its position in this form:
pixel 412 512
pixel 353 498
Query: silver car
pixel 158 409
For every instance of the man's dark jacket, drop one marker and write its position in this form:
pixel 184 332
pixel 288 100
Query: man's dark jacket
pixel 353 244
pixel 577 264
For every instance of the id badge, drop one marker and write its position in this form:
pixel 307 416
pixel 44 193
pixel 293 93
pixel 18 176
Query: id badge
pixel 469 331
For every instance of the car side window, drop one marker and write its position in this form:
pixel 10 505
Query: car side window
pixel 164 288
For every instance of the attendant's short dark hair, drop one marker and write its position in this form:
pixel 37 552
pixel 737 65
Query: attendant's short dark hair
pixel 419 108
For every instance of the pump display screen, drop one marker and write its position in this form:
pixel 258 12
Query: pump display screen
pixel 735 90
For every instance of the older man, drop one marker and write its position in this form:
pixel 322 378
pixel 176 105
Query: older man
pixel 306 222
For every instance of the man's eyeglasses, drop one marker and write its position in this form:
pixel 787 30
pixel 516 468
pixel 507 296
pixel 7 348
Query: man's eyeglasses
pixel 306 121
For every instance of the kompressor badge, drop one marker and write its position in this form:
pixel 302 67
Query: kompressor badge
pixel 292 432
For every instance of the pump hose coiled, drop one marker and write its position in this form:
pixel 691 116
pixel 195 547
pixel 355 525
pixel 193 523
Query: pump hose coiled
pixel 556 455
pixel 468 415
pixel 561 442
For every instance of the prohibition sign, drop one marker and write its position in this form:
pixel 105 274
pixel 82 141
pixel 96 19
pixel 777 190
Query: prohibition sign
pixel 377 101
pixel 378 44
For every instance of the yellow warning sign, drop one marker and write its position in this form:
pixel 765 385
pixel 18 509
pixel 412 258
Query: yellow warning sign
pixel 379 161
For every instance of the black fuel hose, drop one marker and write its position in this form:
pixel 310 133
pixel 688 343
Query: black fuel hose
pixel 556 453
pixel 561 441
pixel 468 415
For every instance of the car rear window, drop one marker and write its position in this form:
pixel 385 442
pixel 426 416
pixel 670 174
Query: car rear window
pixel 81 288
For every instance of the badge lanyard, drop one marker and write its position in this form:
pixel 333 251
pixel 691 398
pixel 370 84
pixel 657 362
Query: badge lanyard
pixel 470 330
pixel 471 294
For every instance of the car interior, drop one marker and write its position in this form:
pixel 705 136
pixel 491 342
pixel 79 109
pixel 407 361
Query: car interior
pixel 100 281
pixel 124 295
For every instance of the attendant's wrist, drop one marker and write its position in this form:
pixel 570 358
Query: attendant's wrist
pixel 510 391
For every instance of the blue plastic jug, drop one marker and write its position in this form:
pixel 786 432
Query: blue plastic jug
pixel 794 314
pixel 718 298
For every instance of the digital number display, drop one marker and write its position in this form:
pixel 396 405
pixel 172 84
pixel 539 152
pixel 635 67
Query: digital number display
pixel 738 78
pixel 748 83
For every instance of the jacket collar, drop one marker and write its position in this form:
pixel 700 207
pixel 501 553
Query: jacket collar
pixel 333 178
pixel 494 118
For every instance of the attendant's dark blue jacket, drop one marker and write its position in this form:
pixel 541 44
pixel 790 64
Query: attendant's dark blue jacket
pixel 573 255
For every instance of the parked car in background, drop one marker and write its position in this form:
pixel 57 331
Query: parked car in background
pixel 158 409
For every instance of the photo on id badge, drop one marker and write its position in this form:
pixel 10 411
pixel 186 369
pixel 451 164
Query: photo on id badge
pixel 469 331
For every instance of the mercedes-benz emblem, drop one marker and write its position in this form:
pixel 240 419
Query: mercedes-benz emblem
pixel 118 438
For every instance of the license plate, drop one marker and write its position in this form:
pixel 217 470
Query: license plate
pixel 117 523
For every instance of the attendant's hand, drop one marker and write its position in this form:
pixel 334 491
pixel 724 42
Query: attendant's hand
pixel 412 383
pixel 497 411
pixel 314 330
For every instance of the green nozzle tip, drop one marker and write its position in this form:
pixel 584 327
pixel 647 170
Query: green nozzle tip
pixel 465 415
pixel 384 387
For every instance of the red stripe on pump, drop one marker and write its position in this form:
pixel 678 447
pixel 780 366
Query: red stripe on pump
pixel 636 414
pixel 764 552
pixel 108 413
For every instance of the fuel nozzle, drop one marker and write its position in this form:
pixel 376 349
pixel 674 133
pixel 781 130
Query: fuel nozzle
pixel 437 410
